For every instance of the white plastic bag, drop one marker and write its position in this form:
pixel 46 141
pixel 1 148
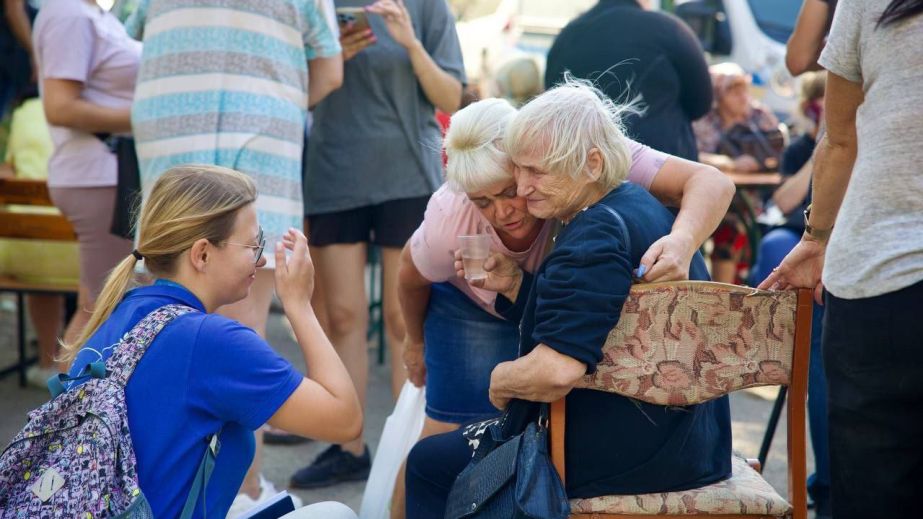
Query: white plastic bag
pixel 402 429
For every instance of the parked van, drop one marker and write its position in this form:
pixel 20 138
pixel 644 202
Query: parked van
pixel 751 33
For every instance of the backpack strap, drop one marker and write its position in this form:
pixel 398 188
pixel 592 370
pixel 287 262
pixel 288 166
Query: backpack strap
pixel 200 482
pixel 121 364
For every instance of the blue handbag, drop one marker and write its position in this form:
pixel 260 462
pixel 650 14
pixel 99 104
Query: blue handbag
pixel 510 474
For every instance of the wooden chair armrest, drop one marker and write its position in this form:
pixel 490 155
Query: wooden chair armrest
pixel 556 434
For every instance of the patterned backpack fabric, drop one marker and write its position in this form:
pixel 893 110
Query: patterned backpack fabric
pixel 74 458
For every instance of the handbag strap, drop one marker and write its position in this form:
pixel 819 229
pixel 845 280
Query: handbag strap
pixel 621 223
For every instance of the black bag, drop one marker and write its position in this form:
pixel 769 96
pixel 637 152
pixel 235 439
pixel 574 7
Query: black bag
pixel 746 139
pixel 510 475
pixel 128 188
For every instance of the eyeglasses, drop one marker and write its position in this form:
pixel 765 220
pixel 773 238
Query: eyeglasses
pixel 257 249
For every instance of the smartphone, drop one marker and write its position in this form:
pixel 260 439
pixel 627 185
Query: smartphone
pixel 352 15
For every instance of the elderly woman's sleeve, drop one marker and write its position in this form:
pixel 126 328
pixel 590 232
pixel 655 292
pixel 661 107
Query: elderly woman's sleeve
pixel 513 311
pixel 582 288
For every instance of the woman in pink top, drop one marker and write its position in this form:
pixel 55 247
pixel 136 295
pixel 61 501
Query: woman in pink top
pixel 464 336
pixel 87 67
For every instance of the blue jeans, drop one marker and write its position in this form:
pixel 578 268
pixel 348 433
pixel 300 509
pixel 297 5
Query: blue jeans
pixel 463 345
pixel 773 248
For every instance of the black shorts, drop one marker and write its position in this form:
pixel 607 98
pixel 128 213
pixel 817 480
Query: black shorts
pixel 388 224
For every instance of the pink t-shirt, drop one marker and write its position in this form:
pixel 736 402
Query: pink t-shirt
pixel 79 41
pixel 450 214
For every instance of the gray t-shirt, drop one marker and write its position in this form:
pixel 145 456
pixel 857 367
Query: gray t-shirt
pixel 877 242
pixel 376 138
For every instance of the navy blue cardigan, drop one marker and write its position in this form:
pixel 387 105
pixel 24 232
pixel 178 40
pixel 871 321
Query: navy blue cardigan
pixel 615 445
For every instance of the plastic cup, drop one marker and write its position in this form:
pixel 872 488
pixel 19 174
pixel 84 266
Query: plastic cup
pixel 474 251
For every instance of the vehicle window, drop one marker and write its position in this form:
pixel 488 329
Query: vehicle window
pixel 776 18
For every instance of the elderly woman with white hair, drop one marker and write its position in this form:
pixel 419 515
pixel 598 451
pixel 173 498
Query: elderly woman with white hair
pixel 571 161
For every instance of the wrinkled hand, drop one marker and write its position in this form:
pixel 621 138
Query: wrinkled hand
pixel 353 41
pixel 746 163
pixel 496 393
pixel 503 274
pixel 801 268
pixel 668 259
pixel 413 362
pixel 294 276
pixel 542 375
pixel 397 20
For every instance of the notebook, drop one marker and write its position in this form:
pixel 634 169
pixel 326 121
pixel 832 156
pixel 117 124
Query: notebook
pixel 273 508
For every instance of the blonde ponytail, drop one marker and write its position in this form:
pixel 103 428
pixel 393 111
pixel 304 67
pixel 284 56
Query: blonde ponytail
pixel 117 283
pixel 186 204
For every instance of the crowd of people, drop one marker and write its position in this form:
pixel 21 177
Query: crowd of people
pixel 278 142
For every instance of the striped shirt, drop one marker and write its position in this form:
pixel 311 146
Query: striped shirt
pixel 225 82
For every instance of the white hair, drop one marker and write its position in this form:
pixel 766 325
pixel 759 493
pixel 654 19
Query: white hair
pixel 474 145
pixel 563 124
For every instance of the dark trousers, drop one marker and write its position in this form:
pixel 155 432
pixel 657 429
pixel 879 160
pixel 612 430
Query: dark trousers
pixel 432 467
pixel 873 355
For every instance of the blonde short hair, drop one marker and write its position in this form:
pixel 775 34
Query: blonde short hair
pixel 563 124
pixel 474 146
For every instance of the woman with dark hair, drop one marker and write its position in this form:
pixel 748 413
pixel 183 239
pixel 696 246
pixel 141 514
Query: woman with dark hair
pixel 872 267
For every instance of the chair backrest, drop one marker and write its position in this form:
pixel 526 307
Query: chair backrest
pixel 689 342
pixel 30 224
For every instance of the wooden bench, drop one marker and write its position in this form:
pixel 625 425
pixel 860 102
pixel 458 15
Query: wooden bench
pixel 29 226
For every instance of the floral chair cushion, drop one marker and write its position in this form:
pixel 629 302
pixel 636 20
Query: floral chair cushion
pixel 741 338
pixel 745 492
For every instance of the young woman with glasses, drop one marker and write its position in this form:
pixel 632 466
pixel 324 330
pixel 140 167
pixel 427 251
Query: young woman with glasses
pixel 199 238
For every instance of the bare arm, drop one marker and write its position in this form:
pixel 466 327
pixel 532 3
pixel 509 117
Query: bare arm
pixel 833 163
pixel 792 192
pixel 18 20
pixel 544 375
pixel 65 107
pixel 325 75
pixel 703 195
pixel 838 148
pixel 325 405
pixel 413 293
pixel 443 90
pixel 807 39
pixel 440 87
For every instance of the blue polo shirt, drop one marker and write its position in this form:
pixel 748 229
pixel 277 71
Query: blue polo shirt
pixel 202 373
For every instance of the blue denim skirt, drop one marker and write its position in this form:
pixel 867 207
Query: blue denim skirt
pixel 463 345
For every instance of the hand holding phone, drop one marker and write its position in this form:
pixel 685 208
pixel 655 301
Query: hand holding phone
pixel 355 32
pixel 352 19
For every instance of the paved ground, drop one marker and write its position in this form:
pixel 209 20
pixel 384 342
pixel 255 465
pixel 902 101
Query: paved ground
pixel 749 411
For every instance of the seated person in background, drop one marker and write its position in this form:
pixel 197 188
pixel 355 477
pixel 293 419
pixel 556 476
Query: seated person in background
pixel 734 110
pixel 27 152
pixel 570 160
pixel 739 135
pixel 792 198
pixel 199 237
